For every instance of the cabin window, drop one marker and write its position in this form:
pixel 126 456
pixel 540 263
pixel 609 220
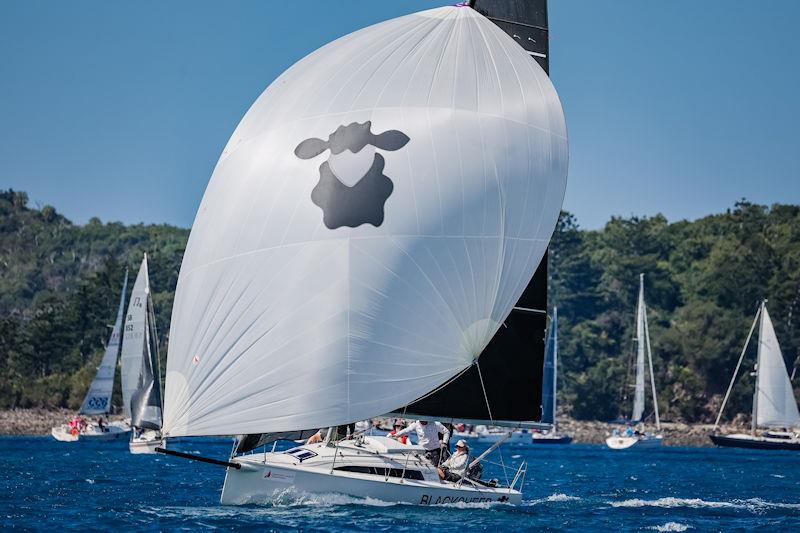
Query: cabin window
pixel 378 471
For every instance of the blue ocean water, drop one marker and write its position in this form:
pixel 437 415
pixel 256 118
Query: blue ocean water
pixel 46 484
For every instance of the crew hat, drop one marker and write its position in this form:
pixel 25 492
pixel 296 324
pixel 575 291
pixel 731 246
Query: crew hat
pixel 461 443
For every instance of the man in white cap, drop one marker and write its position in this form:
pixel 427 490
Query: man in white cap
pixel 428 438
pixel 456 465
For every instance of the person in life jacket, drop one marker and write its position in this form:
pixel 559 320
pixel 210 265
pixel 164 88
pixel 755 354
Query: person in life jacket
pixel 398 426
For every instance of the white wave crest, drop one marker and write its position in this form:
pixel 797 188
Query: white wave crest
pixel 752 504
pixel 671 526
pixel 553 498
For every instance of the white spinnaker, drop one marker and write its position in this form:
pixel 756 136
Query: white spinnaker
pixel 98 398
pixel 638 397
pixel 776 405
pixel 281 323
pixel 133 344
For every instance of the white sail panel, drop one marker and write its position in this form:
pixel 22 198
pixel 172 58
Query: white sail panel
pixel 134 342
pixel 638 397
pixel 370 224
pixel 775 402
pixel 98 398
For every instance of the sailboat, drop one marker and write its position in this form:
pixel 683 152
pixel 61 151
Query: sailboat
pixel 319 290
pixel 635 437
pixel 98 399
pixel 549 388
pixel 141 372
pixel 774 404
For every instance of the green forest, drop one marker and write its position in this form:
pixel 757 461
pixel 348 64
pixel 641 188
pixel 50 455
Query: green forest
pixel 704 279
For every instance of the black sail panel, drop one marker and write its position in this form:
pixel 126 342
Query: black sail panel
pixel 512 363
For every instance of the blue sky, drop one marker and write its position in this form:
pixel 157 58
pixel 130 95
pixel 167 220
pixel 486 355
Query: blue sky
pixel 120 109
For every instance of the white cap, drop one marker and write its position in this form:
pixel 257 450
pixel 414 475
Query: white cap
pixel 460 443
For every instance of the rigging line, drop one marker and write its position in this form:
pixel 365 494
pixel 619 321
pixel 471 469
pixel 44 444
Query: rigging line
pixel 483 388
pixel 738 365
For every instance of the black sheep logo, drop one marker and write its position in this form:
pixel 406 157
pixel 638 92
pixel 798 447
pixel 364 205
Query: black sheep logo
pixel 363 201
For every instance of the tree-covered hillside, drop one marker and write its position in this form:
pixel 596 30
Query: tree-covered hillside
pixel 59 291
pixel 60 282
pixel 703 282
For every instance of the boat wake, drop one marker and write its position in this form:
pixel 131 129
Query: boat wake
pixel 753 504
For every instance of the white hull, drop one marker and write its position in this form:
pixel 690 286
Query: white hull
pixel 266 476
pixel 637 442
pixel 93 433
pixel 147 442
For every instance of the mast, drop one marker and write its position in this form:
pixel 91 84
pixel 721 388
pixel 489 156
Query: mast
pixel 650 361
pixel 550 373
pixel 754 417
pixel 638 397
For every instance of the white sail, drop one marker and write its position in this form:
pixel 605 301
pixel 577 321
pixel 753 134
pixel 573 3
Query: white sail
pixel 98 399
pixel 371 223
pixel 638 397
pixel 134 343
pixel 775 402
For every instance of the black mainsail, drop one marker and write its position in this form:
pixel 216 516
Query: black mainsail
pixel 511 365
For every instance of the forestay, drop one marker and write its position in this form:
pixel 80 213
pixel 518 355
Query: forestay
pixel 775 402
pixel 372 221
pixel 98 399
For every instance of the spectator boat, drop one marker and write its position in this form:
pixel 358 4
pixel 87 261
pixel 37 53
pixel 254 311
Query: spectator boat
pixel 774 404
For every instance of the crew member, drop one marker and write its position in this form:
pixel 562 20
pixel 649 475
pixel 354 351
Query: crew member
pixel 398 426
pixel 428 438
pixel 455 466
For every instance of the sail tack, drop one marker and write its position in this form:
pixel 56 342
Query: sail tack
pixel 775 402
pixel 369 226
pixel 98 399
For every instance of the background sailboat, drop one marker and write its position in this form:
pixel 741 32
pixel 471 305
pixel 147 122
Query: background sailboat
pixel 141 372
pixel 635 437
pixel 774 404
pixel 98 399
pixel 550 388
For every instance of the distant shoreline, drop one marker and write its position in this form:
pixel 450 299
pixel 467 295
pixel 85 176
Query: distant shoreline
pixel 37 422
